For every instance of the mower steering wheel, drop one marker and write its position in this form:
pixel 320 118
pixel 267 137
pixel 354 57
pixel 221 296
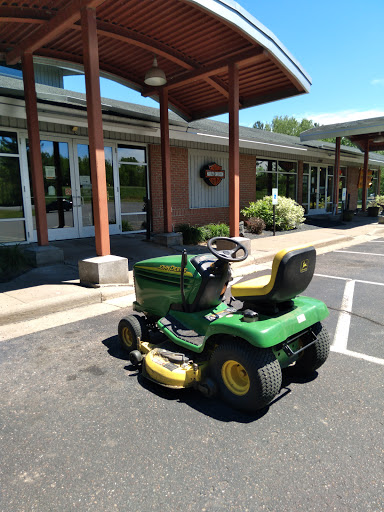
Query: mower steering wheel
pixel 227 254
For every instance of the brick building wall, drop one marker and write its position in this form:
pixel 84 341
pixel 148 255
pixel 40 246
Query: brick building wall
pixel 181 213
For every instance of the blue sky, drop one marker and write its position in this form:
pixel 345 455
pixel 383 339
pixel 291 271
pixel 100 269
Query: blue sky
pixel 339 44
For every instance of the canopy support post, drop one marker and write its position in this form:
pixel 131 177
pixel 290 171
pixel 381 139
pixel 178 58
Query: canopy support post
pixel 234 151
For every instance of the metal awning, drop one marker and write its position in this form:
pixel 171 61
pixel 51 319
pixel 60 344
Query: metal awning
pixel 364 133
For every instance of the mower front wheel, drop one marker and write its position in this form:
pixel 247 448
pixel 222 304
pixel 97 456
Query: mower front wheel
pixel 129 331
pixel 248 378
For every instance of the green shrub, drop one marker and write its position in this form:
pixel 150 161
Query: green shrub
pixel 289 215
pixel 213 230
pixel 191 234
pixel 12 262
pixel 255 225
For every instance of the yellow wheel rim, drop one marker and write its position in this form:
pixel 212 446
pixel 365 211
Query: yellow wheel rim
pixel 235 377
pixel 127 337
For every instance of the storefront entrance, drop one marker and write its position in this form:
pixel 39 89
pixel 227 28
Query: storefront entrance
pixel 68 188
pixel 320 189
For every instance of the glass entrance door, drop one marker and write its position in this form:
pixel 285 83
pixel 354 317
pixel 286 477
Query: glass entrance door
pixel 84 194
pixel 318 190
pixel 60 190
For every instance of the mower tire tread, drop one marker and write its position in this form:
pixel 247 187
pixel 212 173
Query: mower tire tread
pixel 261 366
pixel 315 355
pixel 129 331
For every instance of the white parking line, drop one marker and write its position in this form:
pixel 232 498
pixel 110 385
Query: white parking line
pixel 349 279
pixel 357 355
pixel 342 329
pixel 358 252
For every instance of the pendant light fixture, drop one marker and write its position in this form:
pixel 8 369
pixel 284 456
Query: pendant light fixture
pixel 155 76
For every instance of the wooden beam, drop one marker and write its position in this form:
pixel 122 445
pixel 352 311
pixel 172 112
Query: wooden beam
pixel 365 176
pixel 336 177
pixel 34 149
pixel 165 161
pixel 128 36
pixel 95 131
pixel 247 58
pixel 51 29
pixel 234 150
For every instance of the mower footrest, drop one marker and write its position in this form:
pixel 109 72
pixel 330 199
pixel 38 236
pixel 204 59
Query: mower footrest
pixel 181 331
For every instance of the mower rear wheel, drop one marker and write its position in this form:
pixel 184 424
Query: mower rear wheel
pixel 248 378
pixel 315 355
pixel 129 331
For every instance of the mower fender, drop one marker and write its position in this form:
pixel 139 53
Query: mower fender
pixel 268 331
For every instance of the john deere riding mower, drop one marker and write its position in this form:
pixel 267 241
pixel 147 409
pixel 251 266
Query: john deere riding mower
pixel 185 335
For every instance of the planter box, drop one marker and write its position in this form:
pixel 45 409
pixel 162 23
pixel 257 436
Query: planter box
pixel 348 215
pixel 373 211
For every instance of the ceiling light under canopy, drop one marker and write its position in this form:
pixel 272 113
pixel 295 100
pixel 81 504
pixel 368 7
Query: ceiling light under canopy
pixel 155 76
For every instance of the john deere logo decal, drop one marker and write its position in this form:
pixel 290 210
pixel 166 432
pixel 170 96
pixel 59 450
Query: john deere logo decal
pixel 304 265
pixel 212 174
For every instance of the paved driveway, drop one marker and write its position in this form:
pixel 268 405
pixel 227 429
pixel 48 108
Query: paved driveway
pixel 80 430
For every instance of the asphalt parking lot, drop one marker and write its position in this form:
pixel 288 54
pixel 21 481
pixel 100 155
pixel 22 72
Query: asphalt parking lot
pixel 81 430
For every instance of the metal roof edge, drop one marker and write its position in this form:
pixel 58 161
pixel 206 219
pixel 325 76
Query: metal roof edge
pixel 233 13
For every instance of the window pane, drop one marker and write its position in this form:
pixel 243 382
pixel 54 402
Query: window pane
pixel 110 185
pixel 11 199
pixel 287 185
pixel 330 170
pixel 265 181
pixel 134 222
pixel 306 168
pixel 266 165
pixel 286 166
pixel 8 143
pixel 12 231
pixel 85 184
pixel 130 154
pixel 305 192
pixel 132 188
pixel 330 194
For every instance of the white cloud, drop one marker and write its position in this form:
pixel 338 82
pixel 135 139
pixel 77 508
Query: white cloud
pixel 377 81
pixel 344 116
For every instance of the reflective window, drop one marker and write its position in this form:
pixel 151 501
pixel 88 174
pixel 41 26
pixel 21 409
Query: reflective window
pixel 8 143
pixel 133 187
pixel 276 173
pixel 12 224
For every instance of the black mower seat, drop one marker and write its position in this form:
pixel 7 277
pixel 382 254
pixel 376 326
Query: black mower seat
pixel 292 271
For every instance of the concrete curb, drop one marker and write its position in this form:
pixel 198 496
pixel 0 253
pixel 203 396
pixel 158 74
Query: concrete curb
pixel 82 297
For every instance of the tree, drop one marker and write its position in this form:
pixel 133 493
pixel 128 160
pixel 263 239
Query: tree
pixel 286 125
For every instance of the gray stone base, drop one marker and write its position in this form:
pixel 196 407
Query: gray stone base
pixel 380 219
pixel 41 255
pixel 103 271
pixel 168 239
pixel 223 244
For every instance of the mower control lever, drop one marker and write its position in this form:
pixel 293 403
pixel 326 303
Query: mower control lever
pixel 227 254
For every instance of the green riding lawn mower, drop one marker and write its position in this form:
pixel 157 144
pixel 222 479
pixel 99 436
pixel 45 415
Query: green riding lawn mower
pixel 184 334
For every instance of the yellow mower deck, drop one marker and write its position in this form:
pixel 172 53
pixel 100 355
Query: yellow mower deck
pixel 158 367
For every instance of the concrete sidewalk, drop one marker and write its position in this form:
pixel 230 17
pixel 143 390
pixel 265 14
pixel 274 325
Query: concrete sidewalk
pixel 43 291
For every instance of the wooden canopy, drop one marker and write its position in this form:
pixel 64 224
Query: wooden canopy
pixel 216 57
pixel 194 42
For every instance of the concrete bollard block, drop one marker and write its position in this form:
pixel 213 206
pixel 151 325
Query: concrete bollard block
pixel 103 271
pixel 42 255
pixel 168 239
